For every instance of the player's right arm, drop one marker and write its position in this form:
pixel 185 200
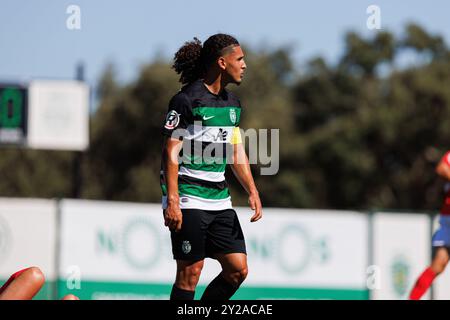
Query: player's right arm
pixel 443 167
pixel 173 217
pixel 178 118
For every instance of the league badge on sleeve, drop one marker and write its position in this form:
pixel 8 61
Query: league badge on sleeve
pixel 172 120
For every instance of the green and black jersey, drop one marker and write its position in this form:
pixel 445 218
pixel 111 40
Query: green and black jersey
pixel 208 124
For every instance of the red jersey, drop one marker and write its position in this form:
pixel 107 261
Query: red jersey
pixel 445 210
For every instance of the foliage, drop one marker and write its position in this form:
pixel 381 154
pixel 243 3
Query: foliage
pixel 351 135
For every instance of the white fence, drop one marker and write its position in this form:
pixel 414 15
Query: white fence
pixel 113 250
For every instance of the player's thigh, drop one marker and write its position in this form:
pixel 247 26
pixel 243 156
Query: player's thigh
pixel 441 246
pixel 224 235
pixel 189 243
pixel 441 256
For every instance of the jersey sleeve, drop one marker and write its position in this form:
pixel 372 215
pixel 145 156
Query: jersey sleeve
pixel 446 158
pixel 236 137
pixel 179 116
pixel 238 117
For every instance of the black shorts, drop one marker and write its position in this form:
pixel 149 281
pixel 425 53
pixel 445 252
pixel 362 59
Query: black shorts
pixel 205 233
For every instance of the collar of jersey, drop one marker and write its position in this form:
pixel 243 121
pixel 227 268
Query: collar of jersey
pixel 220 95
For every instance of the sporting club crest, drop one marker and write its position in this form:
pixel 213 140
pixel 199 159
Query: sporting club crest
pixel 186 247
pixel 233 116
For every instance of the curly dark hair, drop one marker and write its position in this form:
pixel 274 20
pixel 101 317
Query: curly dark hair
pixel 192 59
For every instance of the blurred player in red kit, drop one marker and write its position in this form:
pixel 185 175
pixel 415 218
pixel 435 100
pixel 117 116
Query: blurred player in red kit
pixel 441 238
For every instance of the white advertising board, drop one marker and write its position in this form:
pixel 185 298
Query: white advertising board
pixel 28 231
pixel 401 252
pixel 122 250
pixel 58 115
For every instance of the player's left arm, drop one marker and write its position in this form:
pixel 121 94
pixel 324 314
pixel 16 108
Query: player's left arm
pixel 241 169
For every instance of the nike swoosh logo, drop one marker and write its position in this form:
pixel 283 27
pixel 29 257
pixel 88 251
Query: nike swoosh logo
pixel 207 118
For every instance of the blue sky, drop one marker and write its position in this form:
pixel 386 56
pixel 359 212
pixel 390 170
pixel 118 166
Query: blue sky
pixel 35 42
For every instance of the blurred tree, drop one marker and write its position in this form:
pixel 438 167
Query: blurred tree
pixel 362 56
pixel 107 86
pixel 33 173
pixel 372 141
pixel 123 160
pixel 418 39
pixel 352 135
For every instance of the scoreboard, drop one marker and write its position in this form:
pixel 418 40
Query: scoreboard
pixel 13 114
pixel 45 114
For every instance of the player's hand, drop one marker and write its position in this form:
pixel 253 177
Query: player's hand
pixel 255 204
pixel 173 218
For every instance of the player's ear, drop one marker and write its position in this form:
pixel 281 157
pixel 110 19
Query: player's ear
pixel 222 63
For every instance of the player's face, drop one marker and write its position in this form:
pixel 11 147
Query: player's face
pixel 234 64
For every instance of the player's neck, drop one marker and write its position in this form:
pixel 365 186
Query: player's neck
pixel 215 83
